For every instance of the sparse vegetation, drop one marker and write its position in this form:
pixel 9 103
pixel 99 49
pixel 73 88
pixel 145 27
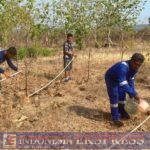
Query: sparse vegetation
pixel 76 106
pixel 35 52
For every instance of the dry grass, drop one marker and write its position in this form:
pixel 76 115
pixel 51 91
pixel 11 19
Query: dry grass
pixel 76 106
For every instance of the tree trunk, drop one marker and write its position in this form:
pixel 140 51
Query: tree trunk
pixel 122 45
pixel 110 43
pixel 89 60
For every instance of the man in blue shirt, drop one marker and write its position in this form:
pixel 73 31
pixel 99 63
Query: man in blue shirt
pixel 68 55
pixel 119 81
pixel 7 55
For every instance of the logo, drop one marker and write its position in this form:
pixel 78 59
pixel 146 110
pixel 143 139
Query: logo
pixel 1 140
pixel 9 140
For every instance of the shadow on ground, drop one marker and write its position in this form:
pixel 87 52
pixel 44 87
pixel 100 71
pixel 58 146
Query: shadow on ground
pixel 93 114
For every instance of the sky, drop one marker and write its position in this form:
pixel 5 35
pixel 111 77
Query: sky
pixel 143 17
pixel 145 14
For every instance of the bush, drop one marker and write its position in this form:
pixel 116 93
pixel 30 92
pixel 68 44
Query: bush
pixel 34 52
pixel 46 52
pixel 22 53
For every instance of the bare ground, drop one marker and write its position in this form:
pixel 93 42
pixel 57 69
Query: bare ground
pixel 80 105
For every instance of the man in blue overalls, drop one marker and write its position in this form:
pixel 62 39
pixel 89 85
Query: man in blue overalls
pixel 119 81
pixel 7 55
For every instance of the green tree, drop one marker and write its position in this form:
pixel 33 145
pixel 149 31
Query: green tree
pixel 75 17
pixel 117 14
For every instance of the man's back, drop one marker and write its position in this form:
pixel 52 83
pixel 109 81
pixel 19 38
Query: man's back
pixel 120 68
pixel 9 61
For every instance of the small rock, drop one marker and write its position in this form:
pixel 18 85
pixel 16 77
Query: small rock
pixel 3 106
pixel 90 98
pixel 49 92
pixel 58 94
pixel 23 118
pixel 82 88
pixel 36 102
pixel 57 82
pixel 79 82
pixel 27 99
pixel 34 119
pixel 19 124
pixel 14 105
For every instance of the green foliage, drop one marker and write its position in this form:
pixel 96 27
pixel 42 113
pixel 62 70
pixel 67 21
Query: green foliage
pixel 42 21
pixel 120 15
pixel 22 53
pixel 82 16
pixel 15 16
pixel 75 18
pixel 34 52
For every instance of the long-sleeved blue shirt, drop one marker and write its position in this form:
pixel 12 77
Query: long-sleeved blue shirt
pixel 9 61
pixel 123 75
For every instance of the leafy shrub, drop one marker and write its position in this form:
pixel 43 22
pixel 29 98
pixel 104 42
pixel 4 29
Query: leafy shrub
pixel 34 52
